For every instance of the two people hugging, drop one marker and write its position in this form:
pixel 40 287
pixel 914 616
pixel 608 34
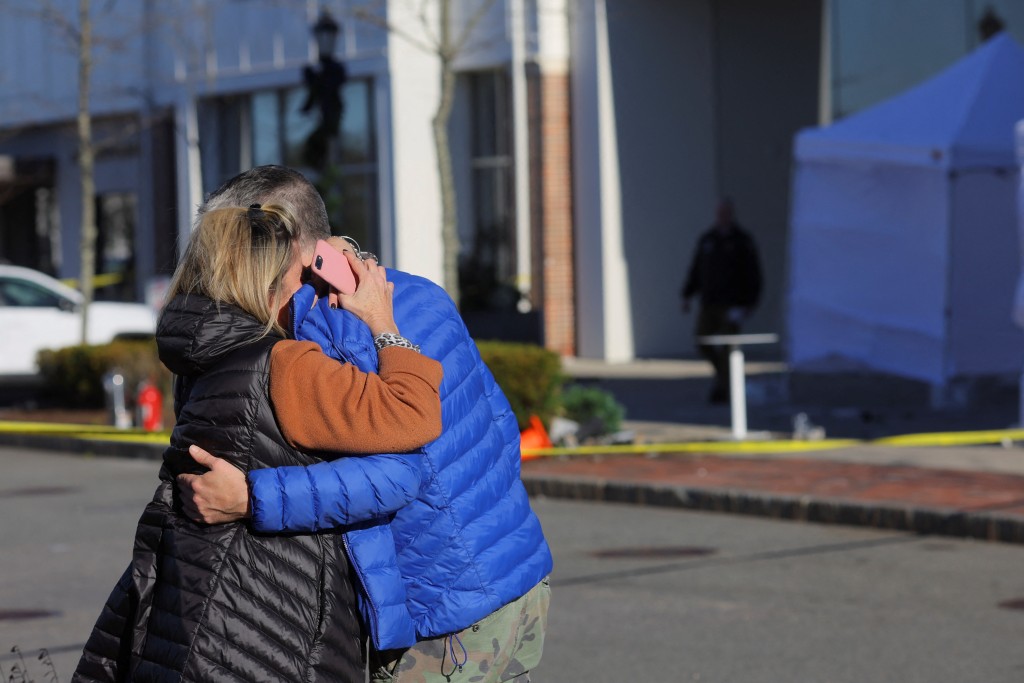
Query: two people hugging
pixel 336 475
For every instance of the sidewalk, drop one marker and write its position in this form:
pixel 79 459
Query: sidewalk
pixel 975 491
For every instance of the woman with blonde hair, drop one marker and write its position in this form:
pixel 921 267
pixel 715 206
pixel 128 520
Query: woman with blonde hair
pixel 223 602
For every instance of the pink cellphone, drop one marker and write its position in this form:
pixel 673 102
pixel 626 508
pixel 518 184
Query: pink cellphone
pixel 333 268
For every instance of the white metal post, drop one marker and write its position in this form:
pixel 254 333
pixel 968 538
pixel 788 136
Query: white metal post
pixel 738 393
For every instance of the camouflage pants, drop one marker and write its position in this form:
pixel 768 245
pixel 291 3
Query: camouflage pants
pixel 503 646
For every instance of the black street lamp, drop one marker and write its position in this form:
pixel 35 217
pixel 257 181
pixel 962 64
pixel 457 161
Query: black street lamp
pixel 323 84
pixel 325 31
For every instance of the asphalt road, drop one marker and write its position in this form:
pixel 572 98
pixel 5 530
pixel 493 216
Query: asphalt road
pixel 639 594
pixel 773 601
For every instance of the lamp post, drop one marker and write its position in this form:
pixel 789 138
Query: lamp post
pixel 323 85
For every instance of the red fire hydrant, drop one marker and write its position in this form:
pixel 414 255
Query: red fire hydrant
pixel 150 407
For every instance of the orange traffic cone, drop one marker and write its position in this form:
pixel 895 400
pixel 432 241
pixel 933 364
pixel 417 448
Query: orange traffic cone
pixel 533 437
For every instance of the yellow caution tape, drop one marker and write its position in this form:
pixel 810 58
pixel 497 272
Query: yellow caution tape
pixel 719 447
pixel 76 430
pixel 953 438
pixel 163 438
pixel 98 281
pixel 975 438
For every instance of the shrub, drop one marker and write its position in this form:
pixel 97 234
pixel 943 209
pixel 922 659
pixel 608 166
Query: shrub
pixel 594 409
pixel 530 376
pixel 73 376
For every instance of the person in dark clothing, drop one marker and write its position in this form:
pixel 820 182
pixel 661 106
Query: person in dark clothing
pixel 726 273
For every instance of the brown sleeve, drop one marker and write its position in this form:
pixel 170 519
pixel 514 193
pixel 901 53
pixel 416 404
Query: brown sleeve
pixel 324 405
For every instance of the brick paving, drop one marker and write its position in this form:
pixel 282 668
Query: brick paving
pixel 846 480
pixel 928 500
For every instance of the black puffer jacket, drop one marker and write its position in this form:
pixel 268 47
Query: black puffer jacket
pixel 223 603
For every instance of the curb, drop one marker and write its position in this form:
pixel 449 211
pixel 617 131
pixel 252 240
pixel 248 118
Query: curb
pixel 989 526
pixel 87 447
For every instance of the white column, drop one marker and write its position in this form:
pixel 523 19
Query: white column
pixel 738 393
pixel 415 80
pixel 604 312
pixel 521 147
pixel 385 248
pixel 190 181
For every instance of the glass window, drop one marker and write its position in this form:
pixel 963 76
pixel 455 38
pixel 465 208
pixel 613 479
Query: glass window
pixel 358 139
pixel 266 128
pixel 297 127
pixel 224 146
pixel 115 246
pixel 487 261
pixel 349 184
pixel 30 225
pixel 28 294
pixel 269 127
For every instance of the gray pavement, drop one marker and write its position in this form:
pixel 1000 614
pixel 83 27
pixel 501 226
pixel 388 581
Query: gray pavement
pixel 638 593
pixel 633 599
pixel 66 532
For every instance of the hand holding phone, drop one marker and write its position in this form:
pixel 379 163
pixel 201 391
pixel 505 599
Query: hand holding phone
pixel 333 268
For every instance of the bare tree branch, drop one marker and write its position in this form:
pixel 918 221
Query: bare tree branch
pixel 363 14
pixel 50 15
pixel 425 22
pixel 467 29
pixel 45 12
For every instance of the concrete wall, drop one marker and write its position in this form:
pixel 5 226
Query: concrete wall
pixel 663 75
pixel 39 60
pixel 766 66
pixel 880 47
pixel 605 328
pixel 706 96
pixel 414 91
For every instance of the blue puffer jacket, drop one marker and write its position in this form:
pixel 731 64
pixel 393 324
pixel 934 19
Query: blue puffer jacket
pixel 469 543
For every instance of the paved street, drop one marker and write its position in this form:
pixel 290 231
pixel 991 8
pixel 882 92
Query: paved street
pixel 67 527
pixel 773 601
pixel 639 593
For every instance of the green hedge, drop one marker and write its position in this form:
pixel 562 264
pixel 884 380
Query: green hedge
pixel 530 376
pixel 73 376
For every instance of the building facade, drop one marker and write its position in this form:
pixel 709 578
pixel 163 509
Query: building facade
pixel 590 139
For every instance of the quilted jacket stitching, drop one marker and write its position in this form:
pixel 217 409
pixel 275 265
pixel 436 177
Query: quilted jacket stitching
pixel 256 627
pixel 206 602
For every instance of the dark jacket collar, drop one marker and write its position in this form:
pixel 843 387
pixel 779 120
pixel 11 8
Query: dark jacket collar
pixel 195 333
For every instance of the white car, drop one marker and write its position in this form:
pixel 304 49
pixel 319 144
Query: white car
pixel 39 312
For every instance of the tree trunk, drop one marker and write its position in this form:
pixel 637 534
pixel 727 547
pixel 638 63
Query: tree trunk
pixel 449 210
pixel 85 165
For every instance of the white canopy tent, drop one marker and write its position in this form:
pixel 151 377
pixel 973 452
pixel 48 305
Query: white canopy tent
pixel 903 245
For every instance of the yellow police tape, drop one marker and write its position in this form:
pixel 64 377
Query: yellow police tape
pixel 80 431
pixel 975 438
pixel 98 281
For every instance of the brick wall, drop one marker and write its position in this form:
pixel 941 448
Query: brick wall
pixel 551 207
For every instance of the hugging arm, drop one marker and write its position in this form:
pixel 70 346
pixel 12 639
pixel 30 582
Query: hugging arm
pixel 332 494
pixel 326 406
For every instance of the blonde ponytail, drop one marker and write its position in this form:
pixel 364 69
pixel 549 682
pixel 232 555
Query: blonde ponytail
pixel 239 256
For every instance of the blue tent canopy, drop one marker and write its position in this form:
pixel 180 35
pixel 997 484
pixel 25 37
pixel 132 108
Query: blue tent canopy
pixel 904 253
pixel 961 118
